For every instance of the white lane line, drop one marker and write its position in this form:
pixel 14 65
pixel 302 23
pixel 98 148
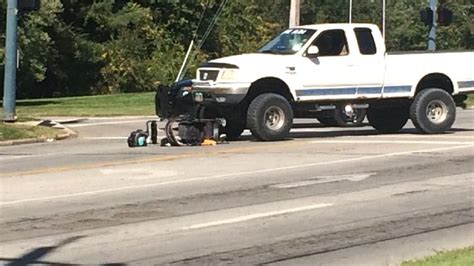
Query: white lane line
pixel 441 142
pixel 415 136
pixel 257 216
pixel 137 171
pixel 106 123
pixel 325 179
pixel 12 157
pixel 207 178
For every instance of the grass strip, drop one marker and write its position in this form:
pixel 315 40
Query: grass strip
pixel 14 132
pixel 101 105
pixel 470 100
pixel 460 257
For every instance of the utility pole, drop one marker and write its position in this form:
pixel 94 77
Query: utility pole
pixel 9 89
pixel 295 13
pixel 432 33
pixel 384 17
pixel 350 11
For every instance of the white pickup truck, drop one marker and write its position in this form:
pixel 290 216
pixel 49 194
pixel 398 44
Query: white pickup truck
pixel 308 70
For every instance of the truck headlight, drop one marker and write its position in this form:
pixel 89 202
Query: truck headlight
pixel 228 74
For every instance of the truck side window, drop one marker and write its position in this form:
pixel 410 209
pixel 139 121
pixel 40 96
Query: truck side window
pixel 332 43
pixel 366 42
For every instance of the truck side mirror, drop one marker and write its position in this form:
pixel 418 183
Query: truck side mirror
pixel 313 51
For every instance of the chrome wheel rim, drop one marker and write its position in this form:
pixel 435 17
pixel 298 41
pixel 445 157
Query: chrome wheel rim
pixel 436 111
pixel 172 132
pixel 274 118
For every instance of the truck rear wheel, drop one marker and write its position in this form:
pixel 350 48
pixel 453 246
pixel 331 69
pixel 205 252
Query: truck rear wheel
pixel 388 119
pixel 433 111
pixel 270 117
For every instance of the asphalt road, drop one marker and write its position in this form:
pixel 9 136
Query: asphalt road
pixel 328 196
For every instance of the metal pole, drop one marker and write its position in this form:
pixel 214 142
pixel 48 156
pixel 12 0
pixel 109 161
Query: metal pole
pixel 350 11
pixel 384 12
pixel 432 33
pixel 9 89
pixel 294 13
pixel 185 61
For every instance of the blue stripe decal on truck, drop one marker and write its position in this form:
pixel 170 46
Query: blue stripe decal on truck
pixel 466 84
pixel 353 91
pixel 369 90
pixel 324 92
pixel 396 89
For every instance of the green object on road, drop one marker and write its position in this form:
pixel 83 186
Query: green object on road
pixel 103 105
pixel 461 257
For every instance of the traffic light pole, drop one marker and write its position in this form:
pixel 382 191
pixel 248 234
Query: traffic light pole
pixel 9 89
pixel 432 33
pixel 350 11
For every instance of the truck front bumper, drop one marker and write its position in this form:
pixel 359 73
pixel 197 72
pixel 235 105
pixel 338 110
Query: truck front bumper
pixel 209 92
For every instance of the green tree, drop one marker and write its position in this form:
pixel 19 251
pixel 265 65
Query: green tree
pixel 77 47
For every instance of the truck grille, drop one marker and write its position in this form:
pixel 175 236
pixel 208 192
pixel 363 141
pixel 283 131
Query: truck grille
pixel 208 74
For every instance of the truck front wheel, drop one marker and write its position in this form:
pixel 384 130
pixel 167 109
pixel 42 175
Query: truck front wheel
pixel 388 119
pixel 433 111
pixel 270 117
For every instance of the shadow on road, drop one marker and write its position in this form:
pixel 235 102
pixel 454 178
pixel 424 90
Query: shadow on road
pixel 343 133
pixel 308 125
pixel 364 132
pixel 347 132
pixel 33 256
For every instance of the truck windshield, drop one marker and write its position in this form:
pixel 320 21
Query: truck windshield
pixel 288 42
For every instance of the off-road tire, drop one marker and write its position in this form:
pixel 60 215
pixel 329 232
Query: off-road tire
pixel 388 119
pixel 270 117
pixel 433 111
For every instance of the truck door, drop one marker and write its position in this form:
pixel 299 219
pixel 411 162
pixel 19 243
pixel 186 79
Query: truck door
pixel 369 64
pixel 330 74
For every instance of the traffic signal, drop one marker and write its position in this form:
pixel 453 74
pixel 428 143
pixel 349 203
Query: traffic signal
pixel 29 5
pixel 445 16
pixel 426 15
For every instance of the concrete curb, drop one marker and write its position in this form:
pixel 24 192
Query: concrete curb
pixel 69 134
pixel 21 141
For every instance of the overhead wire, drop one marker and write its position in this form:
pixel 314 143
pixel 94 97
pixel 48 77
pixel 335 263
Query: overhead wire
pixel 213 23
pixel 206 33
pixel 201 19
